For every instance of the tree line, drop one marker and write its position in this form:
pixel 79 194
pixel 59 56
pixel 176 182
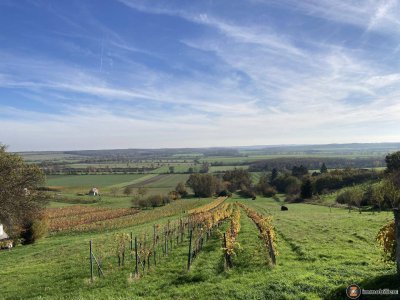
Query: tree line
pixel 314 163
pixel 384 194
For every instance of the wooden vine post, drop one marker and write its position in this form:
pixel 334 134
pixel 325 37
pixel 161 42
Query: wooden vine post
pixel 131 248
pixel 154 245
pixel 226 254
pixel 190 250
pixel 136 259
pixel 397 235
pixel 91 261
pixel 166 243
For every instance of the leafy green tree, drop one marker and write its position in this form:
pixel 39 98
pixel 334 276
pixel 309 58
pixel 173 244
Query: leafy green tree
pixel 203 185
pixel 205 167
pixel 393 162
pixel 172 169
pixel 181 189
pixel 378 196
pixel 324 169
pixel 285 183
pixel 239 179
pixel 21 204
pixel 392 193
pixel 128 190
pixel 306 189
pixel 274 175
pixel 358 197
pixel 155 200
pixel 264 188
pixel 299 171
pixel 351 196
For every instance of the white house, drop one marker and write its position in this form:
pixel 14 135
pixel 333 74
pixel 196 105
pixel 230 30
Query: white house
pixel 3 234
pixel 4 241
pixel 94 192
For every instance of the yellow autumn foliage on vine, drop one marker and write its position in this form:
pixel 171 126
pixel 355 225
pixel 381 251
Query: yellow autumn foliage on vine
pixel 386 239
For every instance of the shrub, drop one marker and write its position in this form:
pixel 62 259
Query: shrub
pixel 181 189
pixel 269 191
pixel 287 184
pixel 351 196
pixel 293 199
pixel 155 200
pixel 34 230
pixel 165 200
pixel 174 195
pixel 224 193
pixel 247 193
pixel 142 203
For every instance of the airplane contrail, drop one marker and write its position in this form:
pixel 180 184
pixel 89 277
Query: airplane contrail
pixel 101 57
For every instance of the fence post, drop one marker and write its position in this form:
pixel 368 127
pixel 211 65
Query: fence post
pixel 166 244
pixel 397 234
pixel 91 261
pixel 226 254
pixel 136 258
pixel 131 241
pixel 154 234
pixel 190 250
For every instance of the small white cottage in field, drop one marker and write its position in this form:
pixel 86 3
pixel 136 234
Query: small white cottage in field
pixel 94 192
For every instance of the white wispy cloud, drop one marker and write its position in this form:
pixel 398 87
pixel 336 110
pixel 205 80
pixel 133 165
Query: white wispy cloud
pixel 370 15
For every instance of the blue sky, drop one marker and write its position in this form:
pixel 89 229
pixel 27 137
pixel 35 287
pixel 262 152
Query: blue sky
pixel 150 74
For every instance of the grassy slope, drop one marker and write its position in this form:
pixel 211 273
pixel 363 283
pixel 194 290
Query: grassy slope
pixel 57 266
pixel 320 252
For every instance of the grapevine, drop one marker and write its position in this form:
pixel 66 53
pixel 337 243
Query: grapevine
pixel 230 243
pixel 266 228
pixel 386 239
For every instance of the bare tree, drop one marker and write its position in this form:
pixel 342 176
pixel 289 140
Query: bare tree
pixel 142 191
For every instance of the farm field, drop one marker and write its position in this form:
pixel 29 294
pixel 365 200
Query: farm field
pixel 89 181
pixel 69 185
pixel 216 169
pixel 168 181
pixel 159 161
pixel 321 251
